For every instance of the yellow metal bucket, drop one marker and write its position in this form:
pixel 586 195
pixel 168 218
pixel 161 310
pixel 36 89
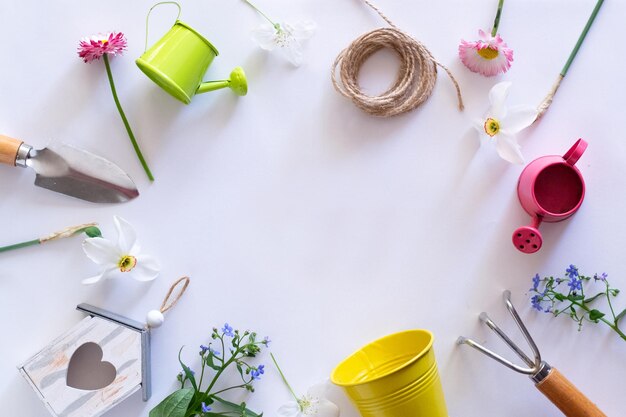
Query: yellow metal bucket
pixel 395 376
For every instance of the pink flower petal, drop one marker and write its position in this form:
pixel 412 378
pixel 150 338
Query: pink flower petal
pixel 93 47
pixel 499 57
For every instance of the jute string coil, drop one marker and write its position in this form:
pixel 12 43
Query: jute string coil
pixel 416 77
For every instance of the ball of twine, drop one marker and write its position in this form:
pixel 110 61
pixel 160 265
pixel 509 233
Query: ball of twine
pixel 416 77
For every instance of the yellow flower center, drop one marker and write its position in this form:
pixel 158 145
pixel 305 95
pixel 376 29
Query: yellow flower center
pixel 492 127
pixel 488 53
pixel 127 263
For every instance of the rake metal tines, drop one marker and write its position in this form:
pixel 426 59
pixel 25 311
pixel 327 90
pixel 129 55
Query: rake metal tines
pixel 537 369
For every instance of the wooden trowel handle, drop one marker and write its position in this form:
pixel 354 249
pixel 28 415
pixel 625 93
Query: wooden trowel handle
pixel 567 397
pixel 8 150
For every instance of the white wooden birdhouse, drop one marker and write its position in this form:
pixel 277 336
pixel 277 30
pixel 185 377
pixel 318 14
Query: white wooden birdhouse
pixel 93 367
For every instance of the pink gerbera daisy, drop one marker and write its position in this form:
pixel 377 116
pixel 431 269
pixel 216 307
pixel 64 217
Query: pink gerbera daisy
pixel 93 47
pixel 488 56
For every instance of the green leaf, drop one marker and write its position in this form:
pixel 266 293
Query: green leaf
pixel 237 407
pixel 575 297
pixel 92 231
pixel 175 405
pixel 211 363
pixel 559 296
pixel 595 315
pixel 188 373
pixel 590 299
pixel 620 315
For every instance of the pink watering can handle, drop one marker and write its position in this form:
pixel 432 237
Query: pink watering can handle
pixel 575 152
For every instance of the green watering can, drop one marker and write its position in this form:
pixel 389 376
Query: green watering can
pixel 178 61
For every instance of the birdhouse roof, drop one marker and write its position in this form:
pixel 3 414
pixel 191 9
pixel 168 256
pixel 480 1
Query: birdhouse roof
pixel 122 352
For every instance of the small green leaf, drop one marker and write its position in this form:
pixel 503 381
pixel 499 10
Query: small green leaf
pixel 595 315
pixel 575 297
pixel 211 362
pixel 92 231
pixel 559 296
pixel 188 373
pixel 590 299
pixel 175 405
pixel 620 315
pixel 237 407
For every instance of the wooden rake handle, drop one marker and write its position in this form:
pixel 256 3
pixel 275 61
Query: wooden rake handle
pixel 567 397
pixel 8 150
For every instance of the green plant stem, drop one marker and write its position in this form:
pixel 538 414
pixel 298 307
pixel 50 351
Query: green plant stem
pixel 229 388
pixel 263 14
pixel 608 323
pixel 608 299
pixel 496 22
pixel 285 380
pixel 105 57
pixel 202 373
pixel 226 365
pixel 20 245
pixel 582 37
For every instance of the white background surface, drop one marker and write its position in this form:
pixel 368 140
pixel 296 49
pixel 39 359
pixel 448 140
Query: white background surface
pixel 299 216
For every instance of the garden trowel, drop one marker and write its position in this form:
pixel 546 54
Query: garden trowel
pixel 71 171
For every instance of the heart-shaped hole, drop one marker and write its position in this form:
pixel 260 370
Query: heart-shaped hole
pixel 87 370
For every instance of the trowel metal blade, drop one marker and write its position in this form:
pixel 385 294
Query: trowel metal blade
pixel 81 174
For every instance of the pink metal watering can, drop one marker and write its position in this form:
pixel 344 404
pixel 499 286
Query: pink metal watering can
pixel 550 189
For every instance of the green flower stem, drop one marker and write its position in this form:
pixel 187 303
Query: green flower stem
pixel 226 364
pixel 496 22
pixel 602 319
pixel 582 37
pixel 229 388
pixel 105 57
pixel 263 14
pixel 608 299
pixel 20 245
pixel 285 381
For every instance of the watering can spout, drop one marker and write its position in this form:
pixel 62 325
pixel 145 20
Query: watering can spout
pixel 237 82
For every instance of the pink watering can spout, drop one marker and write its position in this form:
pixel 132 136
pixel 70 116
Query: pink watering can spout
pixel 550 189
pixel 528 239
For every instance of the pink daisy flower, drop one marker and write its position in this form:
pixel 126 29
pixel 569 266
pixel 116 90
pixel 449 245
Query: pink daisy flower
pixel 488 56
pixel 93 47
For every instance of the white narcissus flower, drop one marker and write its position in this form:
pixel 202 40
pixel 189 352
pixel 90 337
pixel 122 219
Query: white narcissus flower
pixel 314 403
pixel 286 37
pixel 121 258
pixel 500 125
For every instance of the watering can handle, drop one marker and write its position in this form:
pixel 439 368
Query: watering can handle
pixel 9 149
pixel 148 17
pixel 567 397
pixel 575 152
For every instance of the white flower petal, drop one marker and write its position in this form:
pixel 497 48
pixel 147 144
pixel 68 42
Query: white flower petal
pixel 293 52
pixel 517 119
pixel 497 98
pixel 479 125
pixel 318 390
pixel 92 280
pixel 303 29
pixel 290 409
pixel 101 251
pixel 126 235
pixel 147 268
pixel 265 36
pixel 325 408
pixel 509 149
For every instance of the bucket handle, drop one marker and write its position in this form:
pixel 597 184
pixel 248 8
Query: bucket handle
pixel 575 152
pixel 148 17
